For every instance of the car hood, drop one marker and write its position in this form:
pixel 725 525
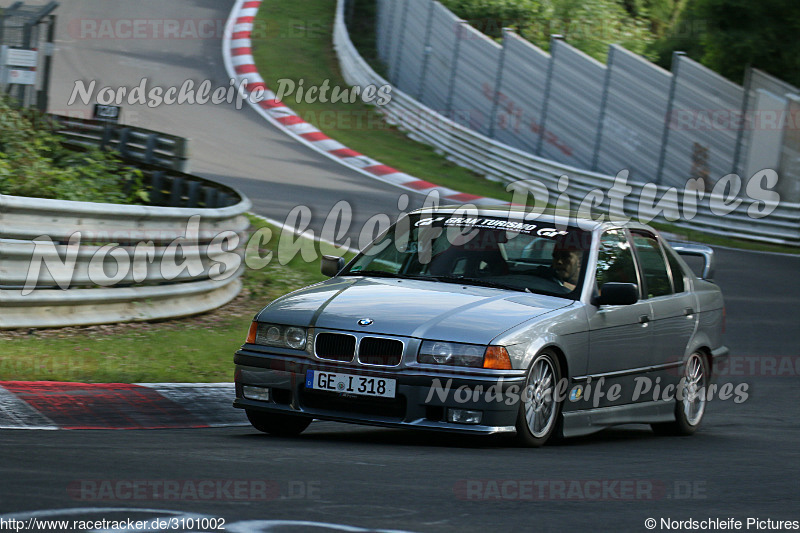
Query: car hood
pixel 410 308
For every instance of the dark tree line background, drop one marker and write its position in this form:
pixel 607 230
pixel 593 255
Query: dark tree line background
pixel 724 35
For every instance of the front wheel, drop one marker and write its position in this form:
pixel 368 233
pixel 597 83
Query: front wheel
pixel 278 424
pixel 539 417
pixel 690 404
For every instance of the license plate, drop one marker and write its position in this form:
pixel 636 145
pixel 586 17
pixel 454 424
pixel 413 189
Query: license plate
pixel 350 384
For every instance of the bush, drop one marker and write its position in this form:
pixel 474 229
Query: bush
pixel 589 25
pixel 34 163
pixel 491 16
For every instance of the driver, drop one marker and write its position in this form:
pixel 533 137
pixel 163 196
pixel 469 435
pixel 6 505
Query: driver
pixel 567 266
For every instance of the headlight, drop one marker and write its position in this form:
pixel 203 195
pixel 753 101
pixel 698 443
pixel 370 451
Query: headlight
pixel 451 353
pixel 280 336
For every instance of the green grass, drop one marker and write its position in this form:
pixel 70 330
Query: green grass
pixel 160 354
pixel 197 349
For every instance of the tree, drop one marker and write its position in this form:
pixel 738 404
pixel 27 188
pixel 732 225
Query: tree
pixel 760 33
pixel 592 26
pixel 589 25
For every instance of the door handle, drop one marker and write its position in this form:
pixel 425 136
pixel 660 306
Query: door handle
pixel 688 311
pixel 644 319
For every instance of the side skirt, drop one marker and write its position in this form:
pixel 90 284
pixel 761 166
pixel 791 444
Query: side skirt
pixel 588 421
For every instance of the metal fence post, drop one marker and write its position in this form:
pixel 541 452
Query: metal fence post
pixel 676 61
pixel 389 29
pixel 448 107
pixel 603 104
pixel 426 54
pixel 395 66
pixel 737 153
pixel 547 85
pixel 44 93
pixel 22 90
pixel 498 84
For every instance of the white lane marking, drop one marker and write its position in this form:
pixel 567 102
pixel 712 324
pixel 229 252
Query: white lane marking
pixel 18 414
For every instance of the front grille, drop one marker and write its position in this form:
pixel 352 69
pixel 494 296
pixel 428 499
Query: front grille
pixel 335 346
pixel 377 351
pixel 367 406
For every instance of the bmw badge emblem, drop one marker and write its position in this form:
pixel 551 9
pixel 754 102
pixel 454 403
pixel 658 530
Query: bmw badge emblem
pixel 365 322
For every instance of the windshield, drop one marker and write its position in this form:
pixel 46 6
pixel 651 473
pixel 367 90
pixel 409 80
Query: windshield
pixel 483 251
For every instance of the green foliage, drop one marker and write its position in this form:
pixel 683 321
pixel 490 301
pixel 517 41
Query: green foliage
pixel 762 34
pixel 661 14
pixel 34 163
pixel 491 16
pixel 593 25
pixel 684 34
pixel 589 25
pixel 728 35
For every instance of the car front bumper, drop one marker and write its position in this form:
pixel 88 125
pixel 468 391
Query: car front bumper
pixel 422 398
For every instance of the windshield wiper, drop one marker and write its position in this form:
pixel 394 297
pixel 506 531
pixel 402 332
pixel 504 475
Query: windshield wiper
pixel 445 279
pixel 384 274
pixel 480 283
pixel 374 274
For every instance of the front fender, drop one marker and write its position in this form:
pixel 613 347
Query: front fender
pixel 565 330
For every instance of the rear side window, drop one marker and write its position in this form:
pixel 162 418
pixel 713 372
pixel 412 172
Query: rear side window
pixel 615 259
pixel 653 265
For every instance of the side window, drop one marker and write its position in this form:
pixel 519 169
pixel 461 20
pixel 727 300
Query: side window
pixel 615 259
pixel 653 266
pixel 677 272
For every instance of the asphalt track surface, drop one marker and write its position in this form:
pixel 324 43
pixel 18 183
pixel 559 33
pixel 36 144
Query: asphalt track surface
pixel 743 463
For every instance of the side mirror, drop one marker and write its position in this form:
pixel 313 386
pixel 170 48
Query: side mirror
pixel 617 294
pixel 331 265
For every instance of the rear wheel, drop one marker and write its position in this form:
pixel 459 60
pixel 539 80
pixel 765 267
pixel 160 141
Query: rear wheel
pixel 690 404
pixel 278 424
pixel 539 418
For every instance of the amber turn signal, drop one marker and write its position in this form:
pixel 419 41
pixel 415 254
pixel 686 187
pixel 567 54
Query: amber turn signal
pixel 496 357
pixel 251 335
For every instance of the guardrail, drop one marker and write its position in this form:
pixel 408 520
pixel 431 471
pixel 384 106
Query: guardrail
pixel 134 144
pixel 65 263
pixel 501 162
pixel 78 263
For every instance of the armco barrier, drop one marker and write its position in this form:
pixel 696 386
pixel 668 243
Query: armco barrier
pixel 68 263
pixel 78 263
pixel 134 144
pixel 501 162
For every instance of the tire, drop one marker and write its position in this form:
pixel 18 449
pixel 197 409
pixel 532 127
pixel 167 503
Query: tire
pixel 690 401
pixel 278 424
pixel 539 418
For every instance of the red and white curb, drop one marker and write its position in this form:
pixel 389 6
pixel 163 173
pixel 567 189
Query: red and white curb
pixel 238 56
pixel 61 405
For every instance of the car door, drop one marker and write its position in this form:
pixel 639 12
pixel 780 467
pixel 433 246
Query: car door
pixel 620 336
pixel 674 314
